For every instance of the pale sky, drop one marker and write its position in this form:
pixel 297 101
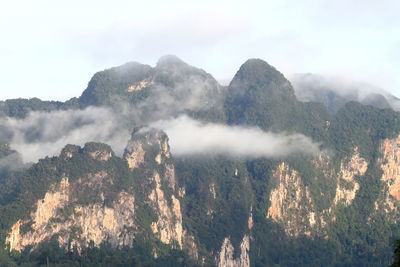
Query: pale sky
pixel 51 49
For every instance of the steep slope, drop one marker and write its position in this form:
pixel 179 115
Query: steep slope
pixel 88 197
pixel 260 95
pixel 114 82
pixel 170 88
pixel 10 167
pixel 76 204
pixel 148 152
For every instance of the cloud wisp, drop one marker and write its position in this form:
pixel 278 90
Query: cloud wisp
pixel 188 137
pixel 43 134
pixel 340 90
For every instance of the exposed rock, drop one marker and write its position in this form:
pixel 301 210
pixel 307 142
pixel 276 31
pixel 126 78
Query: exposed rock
pixel 349 168
pixel 390 165
pixel 152 142
pixel 355 166
pixel 140 85
pixel 226 259
pixel 291 203
pixel 250 222
pixel 100 155
pixel 182 192
pixel 76 224
pixel 169 175
pixel 346 195
pixel 168 227
pixel 212 190
pixel 97 151
pixel 134 154
pixel 68 151
pixel 323 162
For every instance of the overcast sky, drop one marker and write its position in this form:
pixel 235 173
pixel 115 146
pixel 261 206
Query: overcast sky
pixel 50 49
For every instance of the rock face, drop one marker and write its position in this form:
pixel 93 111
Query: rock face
pixel 226 258
pixel 134 154
pixel 140 85
pixel 291 203
pixel 390 165
pixel 349 168
pixel 76 224
pixel 83 210
pixel 149 148
pixel 168 226
pixel 152 145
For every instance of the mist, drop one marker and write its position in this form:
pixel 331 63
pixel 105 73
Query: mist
pixel 11 162
pixel 188 137
pixel 334 92
pixel 43 134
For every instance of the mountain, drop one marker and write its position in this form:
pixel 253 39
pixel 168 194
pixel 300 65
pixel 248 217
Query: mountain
pixel 90 206
pixel 260 95
pixel 168 89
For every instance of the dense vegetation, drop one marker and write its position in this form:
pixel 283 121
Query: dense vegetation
pixel 50 254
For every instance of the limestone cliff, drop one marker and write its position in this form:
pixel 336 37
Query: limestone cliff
pixel 168 226
pixel 389 199
pixel 152 145
pixel 226 258
pixel 56 216
pixel 291 203
pixel 95 208
pixel 347 187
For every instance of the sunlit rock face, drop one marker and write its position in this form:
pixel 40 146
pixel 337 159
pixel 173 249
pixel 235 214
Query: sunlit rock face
pixel 61 213
pixel 149 149
pixel 389 199
pixel 77 225
pixel 226 258
pixel 349 168
pixel 291 203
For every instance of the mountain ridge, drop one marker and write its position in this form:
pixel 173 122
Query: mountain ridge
pixel 338 206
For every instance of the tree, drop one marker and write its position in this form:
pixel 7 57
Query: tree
pixel 396 255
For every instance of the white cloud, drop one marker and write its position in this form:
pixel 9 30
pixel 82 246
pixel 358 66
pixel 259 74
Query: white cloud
pixel 191 137
pixel 43 134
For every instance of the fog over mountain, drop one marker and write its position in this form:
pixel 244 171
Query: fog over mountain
pixel 43 134
pixel 191 137
pixel 334 92
pixel 164 166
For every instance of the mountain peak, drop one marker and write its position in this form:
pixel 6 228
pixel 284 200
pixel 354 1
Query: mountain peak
pixel 259 71
pixel 169 60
